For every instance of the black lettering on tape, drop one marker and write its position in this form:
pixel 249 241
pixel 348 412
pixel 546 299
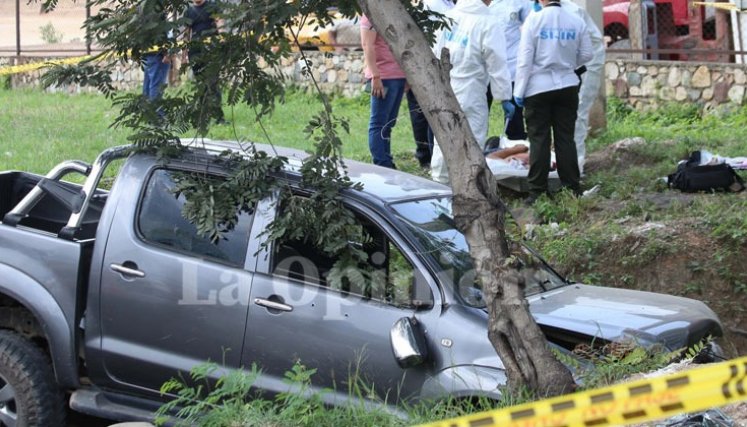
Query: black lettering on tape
pixel 568 404
pixel 596 422
pixel 672 407
pixel 604 397
pixel 482 422
pixel 634 414
pixel 678 381
pixel 522 414
pixel 641 389
pixel 725 390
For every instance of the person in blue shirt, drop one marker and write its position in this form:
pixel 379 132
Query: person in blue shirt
pixel 157 62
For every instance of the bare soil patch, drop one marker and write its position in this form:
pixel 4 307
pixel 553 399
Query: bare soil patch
pixel 66 19
pixel 685 258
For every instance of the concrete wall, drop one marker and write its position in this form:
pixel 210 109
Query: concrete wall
pixel 643 84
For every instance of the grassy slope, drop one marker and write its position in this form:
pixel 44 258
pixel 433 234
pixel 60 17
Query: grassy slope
pixel 39 129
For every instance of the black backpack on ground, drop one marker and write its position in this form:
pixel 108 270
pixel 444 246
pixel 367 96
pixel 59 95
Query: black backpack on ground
pixel 691 177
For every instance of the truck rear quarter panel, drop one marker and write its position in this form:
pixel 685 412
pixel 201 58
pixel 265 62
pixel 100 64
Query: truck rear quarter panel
pixel 47 274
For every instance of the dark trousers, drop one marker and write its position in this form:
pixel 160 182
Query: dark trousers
pixel 551 120
pixel 421 131
pixel 515 127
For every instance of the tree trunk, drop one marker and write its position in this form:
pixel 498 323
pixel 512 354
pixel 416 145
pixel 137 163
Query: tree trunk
pixel 478 210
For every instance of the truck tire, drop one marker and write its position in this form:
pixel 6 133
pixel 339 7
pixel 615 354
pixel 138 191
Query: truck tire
pixel 29 394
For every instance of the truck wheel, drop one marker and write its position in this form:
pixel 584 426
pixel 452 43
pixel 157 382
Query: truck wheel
pixel 29 395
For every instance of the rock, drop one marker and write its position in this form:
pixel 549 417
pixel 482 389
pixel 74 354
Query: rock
pixel 611 71
pixel 701 78
pixel 675 76
pixel 680 94
pixel 648 86
pixel 739 76
pixel 736 94
pixel 666 93
pixel 634 79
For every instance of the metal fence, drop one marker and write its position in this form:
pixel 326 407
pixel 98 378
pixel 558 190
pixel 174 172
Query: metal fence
pixel 677 30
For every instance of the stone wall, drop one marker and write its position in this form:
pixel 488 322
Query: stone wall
pixel 335 73
pixel 647 84
pixel 644 84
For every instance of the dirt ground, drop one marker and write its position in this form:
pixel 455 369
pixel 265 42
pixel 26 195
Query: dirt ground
pixel 66 19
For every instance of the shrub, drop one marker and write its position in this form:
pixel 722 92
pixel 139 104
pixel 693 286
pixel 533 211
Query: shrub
pixel 50 34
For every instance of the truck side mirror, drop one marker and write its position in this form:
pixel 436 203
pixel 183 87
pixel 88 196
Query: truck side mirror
pixel 408 342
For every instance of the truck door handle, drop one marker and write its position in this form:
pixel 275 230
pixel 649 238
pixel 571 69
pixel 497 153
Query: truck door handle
pixel 128 269
pixel 272 305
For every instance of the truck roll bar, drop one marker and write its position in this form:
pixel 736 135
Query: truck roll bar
pixel 89 187
pixel 22 209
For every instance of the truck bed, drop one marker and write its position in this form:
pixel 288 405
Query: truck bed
pixel 49 215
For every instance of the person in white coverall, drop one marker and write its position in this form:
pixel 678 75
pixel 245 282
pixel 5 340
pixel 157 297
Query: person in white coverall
pixel 477 50
pixel 511 14
pixel 591 80
pixel 439 6
pixel 554 43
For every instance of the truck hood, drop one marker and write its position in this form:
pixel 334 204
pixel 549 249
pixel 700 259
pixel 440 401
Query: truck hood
pixel 577 312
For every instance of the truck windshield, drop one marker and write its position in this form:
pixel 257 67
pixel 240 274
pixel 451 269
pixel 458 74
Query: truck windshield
pixel 432 224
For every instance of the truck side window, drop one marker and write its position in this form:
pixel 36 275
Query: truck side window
pixel 388 275
pixel 160 222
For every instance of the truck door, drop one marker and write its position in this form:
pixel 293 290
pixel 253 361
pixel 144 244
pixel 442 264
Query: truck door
pixel 169 298
pixel 298 314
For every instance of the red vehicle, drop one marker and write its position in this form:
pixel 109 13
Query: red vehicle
pixel 679 26
pixel 673 17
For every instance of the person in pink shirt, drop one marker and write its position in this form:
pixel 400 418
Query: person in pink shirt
pixel 387 83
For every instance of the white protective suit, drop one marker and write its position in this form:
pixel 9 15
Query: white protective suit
pixel 511 14
pixel 440 6
pixel 477 50
pixel 591 80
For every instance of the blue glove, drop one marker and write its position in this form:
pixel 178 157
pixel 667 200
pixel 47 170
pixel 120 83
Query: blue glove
pixel 537 6
pixel 508 109
pixel 519 101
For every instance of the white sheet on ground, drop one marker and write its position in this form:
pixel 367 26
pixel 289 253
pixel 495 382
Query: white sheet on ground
pixel 512 168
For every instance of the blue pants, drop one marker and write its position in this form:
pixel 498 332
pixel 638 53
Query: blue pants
pixel 155 74
pixel 384 113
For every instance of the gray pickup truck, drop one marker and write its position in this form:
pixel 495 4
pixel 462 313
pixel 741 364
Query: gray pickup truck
pixel 105 295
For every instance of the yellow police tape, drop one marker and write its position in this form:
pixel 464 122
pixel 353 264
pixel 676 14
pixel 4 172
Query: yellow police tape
pixel 24 68
pixel 643 400
pixel 724 6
